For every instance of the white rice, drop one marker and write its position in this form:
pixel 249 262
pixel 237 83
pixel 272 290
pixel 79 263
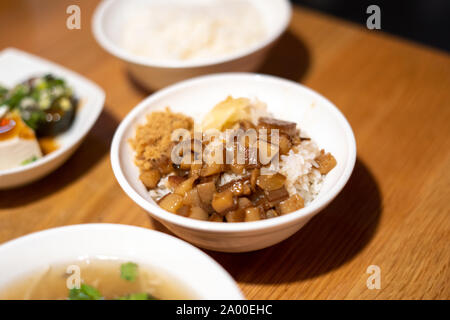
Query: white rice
pixel 299 168
pixel 227 177
pixel 190 31
pixel 161 189
pixel 258 109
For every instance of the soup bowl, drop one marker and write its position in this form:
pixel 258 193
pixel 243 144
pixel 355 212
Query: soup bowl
pixel 285 100
pixel 175 258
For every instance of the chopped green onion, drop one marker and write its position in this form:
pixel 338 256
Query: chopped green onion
pixel 138 296
pixel 129 271
pixel 86 292
pixel 28 161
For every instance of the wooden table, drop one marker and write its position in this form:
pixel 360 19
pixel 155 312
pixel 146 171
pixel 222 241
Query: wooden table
pixel 394 212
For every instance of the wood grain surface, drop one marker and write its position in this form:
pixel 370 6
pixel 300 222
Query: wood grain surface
pixel 394 212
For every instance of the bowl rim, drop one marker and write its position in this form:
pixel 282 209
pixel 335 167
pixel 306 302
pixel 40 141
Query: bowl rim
pixel 116 50
pixel 34 237
pixel 278 222
pixel 78 137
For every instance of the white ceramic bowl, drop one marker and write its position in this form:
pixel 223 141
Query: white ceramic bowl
pixel 197 271
pixel 17 66
pixel 111 15
pixel 286 100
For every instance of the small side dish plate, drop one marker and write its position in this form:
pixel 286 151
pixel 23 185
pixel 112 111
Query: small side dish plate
pixel 17 66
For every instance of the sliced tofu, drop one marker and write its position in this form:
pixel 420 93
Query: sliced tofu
pixel 18 143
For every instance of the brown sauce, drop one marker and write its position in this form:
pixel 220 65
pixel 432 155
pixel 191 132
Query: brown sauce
pixel 48 145
pixel 16 127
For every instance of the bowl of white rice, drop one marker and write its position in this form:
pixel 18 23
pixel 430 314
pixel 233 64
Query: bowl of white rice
pixel 165 41
pixel 315 116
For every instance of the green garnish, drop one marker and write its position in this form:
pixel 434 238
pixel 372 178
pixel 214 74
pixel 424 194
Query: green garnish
pixel 16 95
pixel 28 161
pixel 129 271
pixel 86 292
pixel 3 92
pixel 33 119
pixel 46 104
pixel 138 296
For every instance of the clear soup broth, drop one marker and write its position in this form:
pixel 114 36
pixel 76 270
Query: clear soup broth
pixel 98 280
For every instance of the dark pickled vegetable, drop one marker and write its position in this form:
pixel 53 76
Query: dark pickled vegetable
pixel 58 118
